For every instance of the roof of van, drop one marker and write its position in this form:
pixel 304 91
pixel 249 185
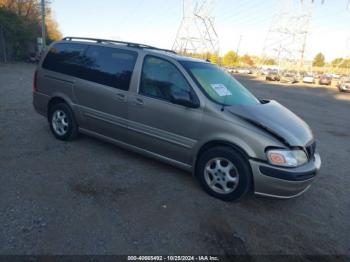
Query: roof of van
pixel 148 48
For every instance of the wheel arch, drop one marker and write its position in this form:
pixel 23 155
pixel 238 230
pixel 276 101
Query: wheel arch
pixel 55 100
pixel 216 143
pixel 59 98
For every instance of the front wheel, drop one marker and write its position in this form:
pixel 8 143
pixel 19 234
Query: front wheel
pixel 224 173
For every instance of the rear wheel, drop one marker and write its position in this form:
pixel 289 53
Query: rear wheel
pixel 224 173
pixel 62 122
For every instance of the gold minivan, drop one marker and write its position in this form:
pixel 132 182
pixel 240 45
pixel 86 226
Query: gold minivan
pixel 186 112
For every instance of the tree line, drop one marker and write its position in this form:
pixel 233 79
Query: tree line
pixel 232 59
pixel 20 26
pixel 320 61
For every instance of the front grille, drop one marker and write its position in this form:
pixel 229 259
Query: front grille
pixel 311 149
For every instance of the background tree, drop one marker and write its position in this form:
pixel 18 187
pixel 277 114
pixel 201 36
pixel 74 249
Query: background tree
pixel 230 59
pixel 270 61
pixel 20 26
pixel 341 62
pixel 15 36
pixel 345 63
pixel 53 32
pixel 319 60
pixel 28 9
pixel 246 59
pixel 214 58
pixel 337 61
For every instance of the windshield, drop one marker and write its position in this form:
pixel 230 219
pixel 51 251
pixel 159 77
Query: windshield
pixel 219 85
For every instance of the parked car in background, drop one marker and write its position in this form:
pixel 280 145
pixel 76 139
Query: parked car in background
pixel 264 71
pixel 244 71
pixel 336 76
pixel 325 80
pixel 317 75
pixel 273 76
pixel 289 78
pixel 344 84
pixel 309 79
pixel 228 69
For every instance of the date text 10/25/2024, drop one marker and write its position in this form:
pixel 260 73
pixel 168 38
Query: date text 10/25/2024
pixel 173 258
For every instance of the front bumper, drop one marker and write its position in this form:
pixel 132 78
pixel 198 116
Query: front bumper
pixel 282 182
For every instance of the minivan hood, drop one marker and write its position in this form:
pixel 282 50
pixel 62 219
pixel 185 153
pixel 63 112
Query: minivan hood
pixel 277 120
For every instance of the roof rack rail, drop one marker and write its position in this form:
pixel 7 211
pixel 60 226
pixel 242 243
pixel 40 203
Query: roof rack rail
pixel 130 44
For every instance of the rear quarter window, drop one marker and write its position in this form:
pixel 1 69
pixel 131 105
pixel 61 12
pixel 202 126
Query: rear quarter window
pixel 103 65
pixel 65 58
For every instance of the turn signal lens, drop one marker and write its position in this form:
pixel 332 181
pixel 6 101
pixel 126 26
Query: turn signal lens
pixel 288 158
pixel 277 159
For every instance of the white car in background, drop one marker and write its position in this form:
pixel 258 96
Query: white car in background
pixel 309 79
pixel 344 84
pixel 244 71
pixel 230 70
pixel 335 76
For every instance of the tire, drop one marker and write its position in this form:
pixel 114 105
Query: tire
pixel 62 122
pixel 212 168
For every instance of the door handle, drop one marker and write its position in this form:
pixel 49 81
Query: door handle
pixel 121 97
pixel 139 102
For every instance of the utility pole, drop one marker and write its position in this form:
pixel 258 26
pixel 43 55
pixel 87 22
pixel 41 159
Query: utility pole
pixel 239 44
pixel 43 24
pixel 197 33
pixel 347 55
pixel 3 43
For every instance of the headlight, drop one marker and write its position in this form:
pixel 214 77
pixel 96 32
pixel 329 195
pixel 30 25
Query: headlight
pixel 288 158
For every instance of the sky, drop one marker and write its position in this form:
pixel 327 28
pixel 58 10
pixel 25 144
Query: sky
pixel 155 22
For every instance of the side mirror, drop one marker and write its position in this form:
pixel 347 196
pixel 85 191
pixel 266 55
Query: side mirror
pixel 184 98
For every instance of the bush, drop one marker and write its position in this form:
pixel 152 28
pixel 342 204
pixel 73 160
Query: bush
pixel 20 26
pixel 17 34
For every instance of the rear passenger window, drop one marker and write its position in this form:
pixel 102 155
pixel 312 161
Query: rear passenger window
pixel 65 58
pixel 103 65
pixel 110 66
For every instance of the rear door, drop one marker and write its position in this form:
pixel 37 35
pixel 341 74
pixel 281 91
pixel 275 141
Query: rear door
pixel 102 90
pixel 156 123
